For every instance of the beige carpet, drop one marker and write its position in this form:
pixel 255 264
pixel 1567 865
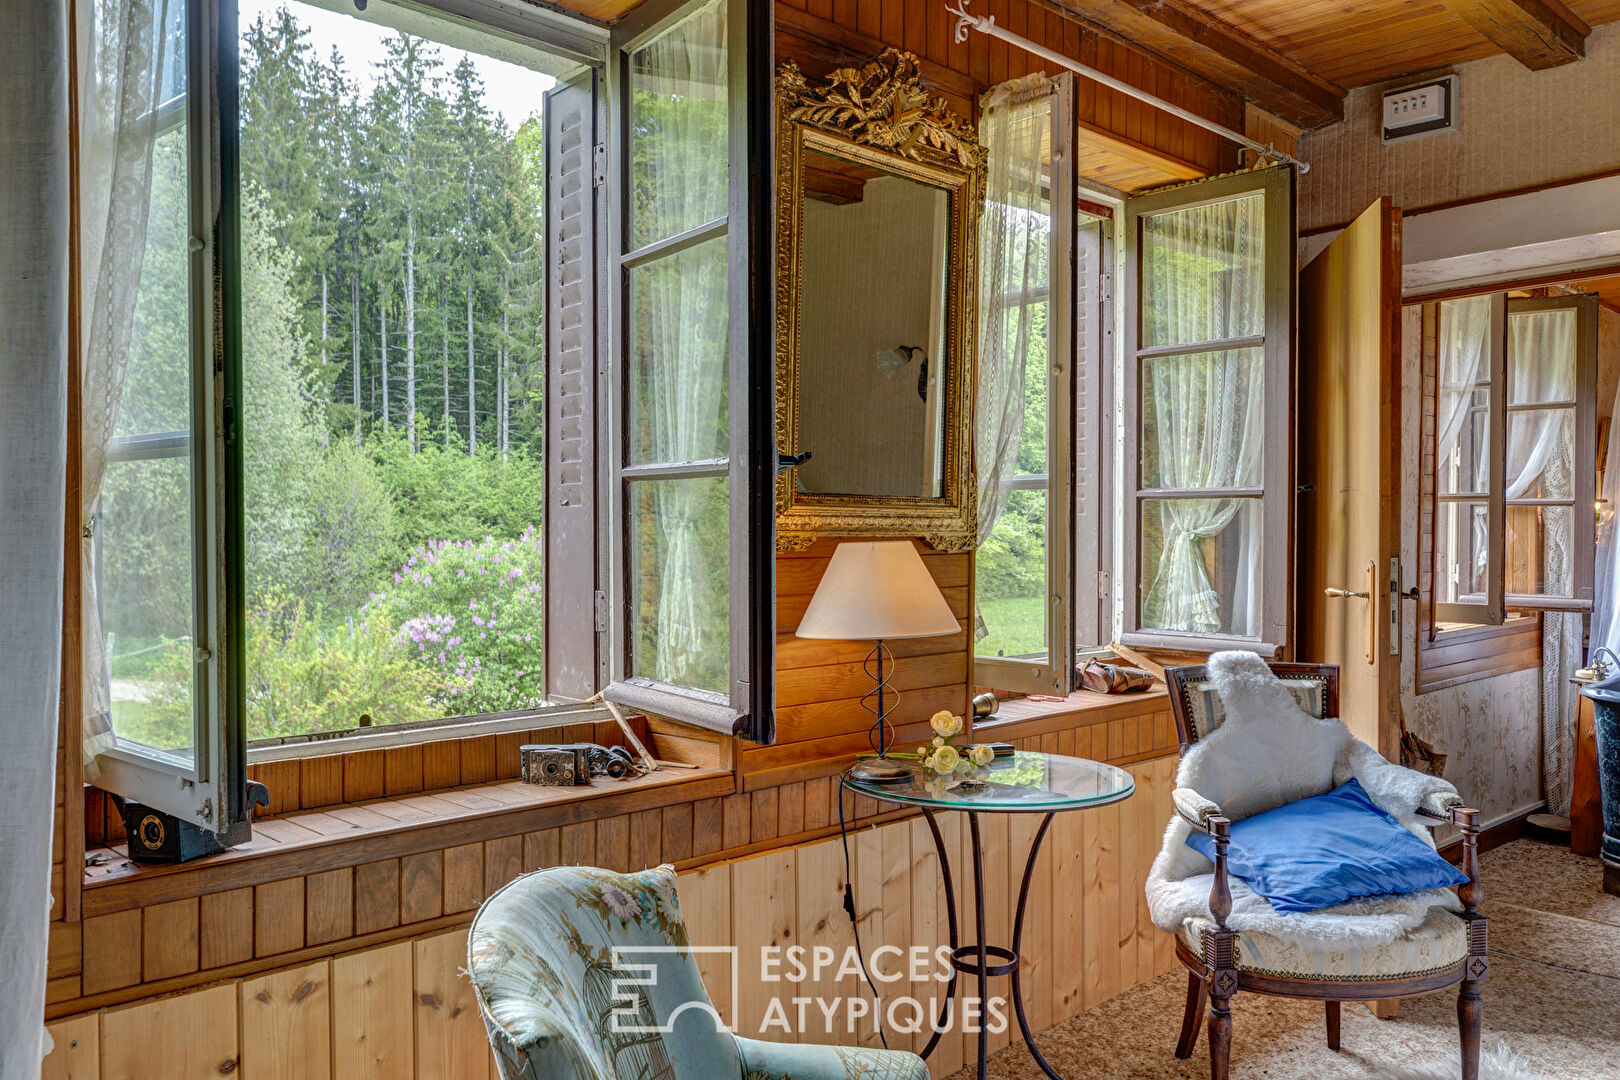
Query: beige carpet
pixel 1553 997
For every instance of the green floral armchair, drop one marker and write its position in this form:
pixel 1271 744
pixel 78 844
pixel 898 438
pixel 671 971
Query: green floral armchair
pixel 585 974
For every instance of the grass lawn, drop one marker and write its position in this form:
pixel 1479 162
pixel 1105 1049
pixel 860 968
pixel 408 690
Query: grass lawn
pixel 1017 627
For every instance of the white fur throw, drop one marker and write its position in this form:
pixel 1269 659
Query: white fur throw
pixel 1268 752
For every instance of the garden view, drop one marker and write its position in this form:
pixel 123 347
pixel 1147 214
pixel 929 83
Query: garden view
pixel 392 320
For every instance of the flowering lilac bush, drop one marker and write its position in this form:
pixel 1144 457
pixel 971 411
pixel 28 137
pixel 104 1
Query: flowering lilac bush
pixel 471 610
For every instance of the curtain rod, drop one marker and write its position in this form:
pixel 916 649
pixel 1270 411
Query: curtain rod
pixel 986 24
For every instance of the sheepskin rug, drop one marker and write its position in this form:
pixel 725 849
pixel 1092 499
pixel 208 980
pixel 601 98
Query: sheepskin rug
pixel 1495 1063
pixel 1269 752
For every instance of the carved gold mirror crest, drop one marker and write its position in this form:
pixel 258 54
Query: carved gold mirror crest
pixel 880 186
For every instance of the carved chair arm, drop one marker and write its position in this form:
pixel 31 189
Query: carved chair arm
pixel 1194 808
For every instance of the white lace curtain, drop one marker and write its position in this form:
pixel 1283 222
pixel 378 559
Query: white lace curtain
pixel 124 55
pixel 679 322
pixel 1204 413
pixel 1540 461
pixel 1605 630
pixel 1014 238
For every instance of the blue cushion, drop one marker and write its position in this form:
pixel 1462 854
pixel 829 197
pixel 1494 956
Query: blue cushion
pixel 1324 850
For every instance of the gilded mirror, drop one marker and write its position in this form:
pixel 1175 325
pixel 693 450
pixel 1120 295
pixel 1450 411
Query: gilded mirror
pixel 880 187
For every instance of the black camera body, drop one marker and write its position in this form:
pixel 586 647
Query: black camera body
pixel 573 764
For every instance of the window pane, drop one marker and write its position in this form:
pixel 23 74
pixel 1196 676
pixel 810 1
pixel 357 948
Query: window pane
pixel 1200 562
pixel 678 401
pixel 1203 419
pixel 1464 462
pixel 143 543
pixel 1541 454
pixel 392 277
pixel 680 582
pixel 143 537
pixel 1541 356
pixel 678 129
pixel 1203 272
pixel 1461 536
pixel 1010 578
pixel 1540 550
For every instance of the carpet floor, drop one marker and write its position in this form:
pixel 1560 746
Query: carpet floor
pixel 1553 997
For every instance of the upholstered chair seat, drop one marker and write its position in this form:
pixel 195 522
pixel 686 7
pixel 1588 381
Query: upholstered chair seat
pixel 586 974
pixel 1439 943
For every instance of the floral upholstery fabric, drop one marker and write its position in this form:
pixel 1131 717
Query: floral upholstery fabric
pixel 584 974
pixel 1441 941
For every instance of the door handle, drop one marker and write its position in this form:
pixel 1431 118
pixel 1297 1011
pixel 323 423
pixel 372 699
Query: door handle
pixel 1370 618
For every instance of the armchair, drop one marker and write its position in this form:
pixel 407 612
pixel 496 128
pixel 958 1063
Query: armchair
pixel 586 974
pixel 1447 947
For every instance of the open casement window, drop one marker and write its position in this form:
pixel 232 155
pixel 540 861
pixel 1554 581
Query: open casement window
pixel 1514 470
pixel 161 458
pixel 691 469
pixel 1025 560
pixel 1207 396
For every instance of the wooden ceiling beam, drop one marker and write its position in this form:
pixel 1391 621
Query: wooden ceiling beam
pixel 1537 33
pixel 1203 45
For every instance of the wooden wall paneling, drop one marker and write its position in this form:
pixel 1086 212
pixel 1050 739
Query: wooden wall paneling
pixel 478 760
pixel 278 917
pixel 1036 950
pixel 463 877
pixel 169 939
pixel 450 1039
pixel 646 839
pixel 420 886
pixel 402 769
pixel 376 896
pixel 287 1024
pixel 225 934
pixel 1102 903
pixel 928 928
pixel 441 764
pixel 578 844
pixel 767 918
pixel 819 904
pixel 1000 879
pixel 541 849
pixel 866 849
pixel 373 1029
pixel 190 1037
pixel 1067 861
pixel 363 776
pixel 613 842
pixel 320 781
pixel 329 906
pixel 76 1049
pixel 898 932
pixel 706 903
pixel 503 861
pixel 112 951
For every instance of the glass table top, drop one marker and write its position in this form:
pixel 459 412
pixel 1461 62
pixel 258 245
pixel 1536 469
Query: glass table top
pixel 1026 781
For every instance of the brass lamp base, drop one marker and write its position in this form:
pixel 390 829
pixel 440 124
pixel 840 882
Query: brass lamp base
pixel 879 771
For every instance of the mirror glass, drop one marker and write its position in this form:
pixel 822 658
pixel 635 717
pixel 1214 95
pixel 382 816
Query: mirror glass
pixel 872 331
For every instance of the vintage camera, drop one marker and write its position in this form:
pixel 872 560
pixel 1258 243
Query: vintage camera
pixel 573 764
pixel 556 766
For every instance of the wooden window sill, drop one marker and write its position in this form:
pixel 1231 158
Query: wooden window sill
pixel 353 834
pixel 1023 717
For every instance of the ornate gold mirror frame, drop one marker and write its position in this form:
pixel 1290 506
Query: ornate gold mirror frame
pixel 881 117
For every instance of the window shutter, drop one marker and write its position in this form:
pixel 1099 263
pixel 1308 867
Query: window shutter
pixel 573 143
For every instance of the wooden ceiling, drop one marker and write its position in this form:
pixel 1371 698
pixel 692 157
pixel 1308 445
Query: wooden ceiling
pixel 1356 42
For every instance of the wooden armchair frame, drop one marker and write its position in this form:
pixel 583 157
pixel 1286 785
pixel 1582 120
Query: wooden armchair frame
pixel 1215 976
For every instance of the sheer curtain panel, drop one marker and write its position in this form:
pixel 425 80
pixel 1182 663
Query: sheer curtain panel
pixel 128 63
pixel 33 448
pixel 1015 235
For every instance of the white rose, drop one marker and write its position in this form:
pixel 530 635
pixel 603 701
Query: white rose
pixel 945 759
pixel 981 754
pixel 945 724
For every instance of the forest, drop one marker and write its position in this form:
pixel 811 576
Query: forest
pixel 392 369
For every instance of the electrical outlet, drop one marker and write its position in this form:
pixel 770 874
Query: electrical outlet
pixel 1421 110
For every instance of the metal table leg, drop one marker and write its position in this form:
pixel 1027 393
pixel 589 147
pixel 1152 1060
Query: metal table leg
pixel 975 959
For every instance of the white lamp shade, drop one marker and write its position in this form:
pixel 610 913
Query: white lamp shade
pixel 876 590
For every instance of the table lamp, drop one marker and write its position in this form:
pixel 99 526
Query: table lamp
pixel 877 591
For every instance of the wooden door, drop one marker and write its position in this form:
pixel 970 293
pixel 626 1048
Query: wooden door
pixel 1348 430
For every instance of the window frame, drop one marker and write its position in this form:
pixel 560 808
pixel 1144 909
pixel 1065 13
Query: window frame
pixel 747 709
pixel 1275 493
pixel 218 776
pixel 1054 673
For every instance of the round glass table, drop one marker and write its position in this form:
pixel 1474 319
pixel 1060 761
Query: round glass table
pixel 1025 782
